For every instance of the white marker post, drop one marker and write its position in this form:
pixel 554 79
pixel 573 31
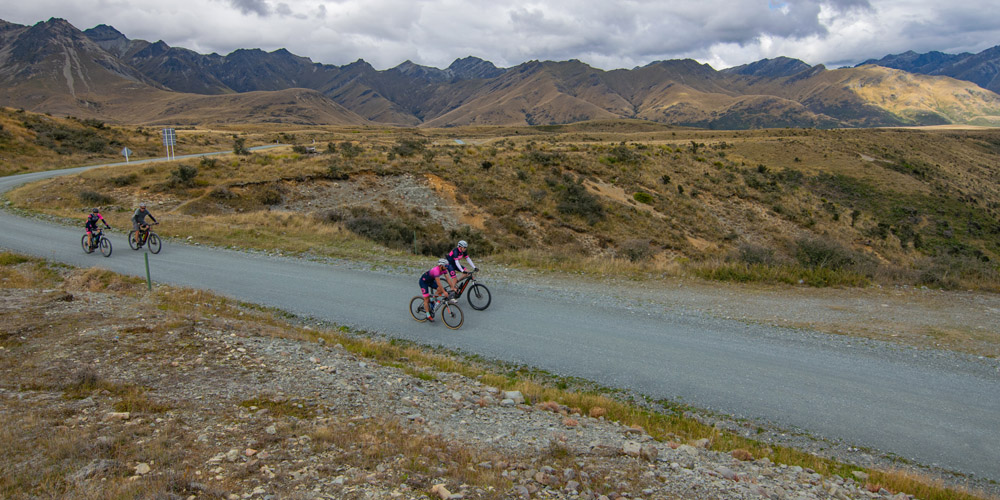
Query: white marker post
pixel 126 151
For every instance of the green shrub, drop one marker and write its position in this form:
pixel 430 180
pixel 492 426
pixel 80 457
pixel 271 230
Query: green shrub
pixel 956 271
pixel 268 195
pixel 756 254
pixel 124 180
pixel 576 200
pixel 821 253
pixel 544 159
pixel 95 198
pixel 642 197
pixel 407 147
pixel 636 250
pixel 623 154
pixel 183 175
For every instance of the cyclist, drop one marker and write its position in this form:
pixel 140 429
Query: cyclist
pixel 461 251
pixel 91 225
pixel 139 218
pixel 430 282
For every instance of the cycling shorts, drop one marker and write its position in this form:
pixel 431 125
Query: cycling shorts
pixel 427 285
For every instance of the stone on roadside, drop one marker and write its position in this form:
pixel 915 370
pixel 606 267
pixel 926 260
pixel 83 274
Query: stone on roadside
pixel 142 469
pixel 632 449
pixel 515 396
pixel 441 491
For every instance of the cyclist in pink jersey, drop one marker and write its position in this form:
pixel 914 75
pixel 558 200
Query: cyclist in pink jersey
pixel 430 282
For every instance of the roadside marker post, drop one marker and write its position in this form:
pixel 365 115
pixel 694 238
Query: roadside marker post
pixel 149 282
pixel 126 151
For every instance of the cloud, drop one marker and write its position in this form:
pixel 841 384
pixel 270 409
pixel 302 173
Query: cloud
pixel 607 35
pixel 259 7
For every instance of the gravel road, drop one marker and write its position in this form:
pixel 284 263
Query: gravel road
pixel 721 354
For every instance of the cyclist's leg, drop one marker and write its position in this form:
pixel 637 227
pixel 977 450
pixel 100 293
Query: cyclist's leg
pixel 452 277
pixel 425 291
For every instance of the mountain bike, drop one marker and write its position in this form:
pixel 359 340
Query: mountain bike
pixel 146 235
pixel 479 296
pixel 98 240
pixel 450 313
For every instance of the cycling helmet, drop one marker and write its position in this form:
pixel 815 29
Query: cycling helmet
pixel 463 244
pixel 142 205
pixel 96 210
pixel 442 262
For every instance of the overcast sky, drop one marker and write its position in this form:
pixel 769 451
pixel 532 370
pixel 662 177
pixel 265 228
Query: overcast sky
pixel 605 34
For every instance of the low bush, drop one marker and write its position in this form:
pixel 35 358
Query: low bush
pixel 95 198
pixel 821 253
pixel 756 254
pixel 636 250
pixel 182 176
pixel 576 200
pixel 124 180
pixel 958 271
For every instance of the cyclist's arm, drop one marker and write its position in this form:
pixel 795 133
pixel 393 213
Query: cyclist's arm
pixel 471 264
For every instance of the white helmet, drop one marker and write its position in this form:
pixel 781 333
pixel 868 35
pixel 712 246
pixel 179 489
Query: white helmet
pixel 463 244
pixel 442 262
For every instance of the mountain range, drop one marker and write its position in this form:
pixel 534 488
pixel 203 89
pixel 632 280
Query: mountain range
pixel 99 73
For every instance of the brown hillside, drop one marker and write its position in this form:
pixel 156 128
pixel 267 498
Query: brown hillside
pixel 843 207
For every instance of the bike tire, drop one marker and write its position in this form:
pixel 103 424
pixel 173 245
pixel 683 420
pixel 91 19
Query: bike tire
pixel 86 247
pixel 153 243
pixel 131 240
pixel 417 309
pixel 451 315
pixel 479 297
pixel 105 245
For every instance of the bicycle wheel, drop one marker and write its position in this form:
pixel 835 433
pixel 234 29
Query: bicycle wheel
pixel 83 243
pixel 417 309
pixel 153 243
pixel 479 297
pixel 131 240
pixel 452 316
pixel 105 245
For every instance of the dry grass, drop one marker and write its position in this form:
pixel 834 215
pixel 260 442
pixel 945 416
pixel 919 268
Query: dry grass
pixel 906 200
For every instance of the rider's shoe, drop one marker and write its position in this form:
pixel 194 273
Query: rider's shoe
pixel 430 317
pixel 453 301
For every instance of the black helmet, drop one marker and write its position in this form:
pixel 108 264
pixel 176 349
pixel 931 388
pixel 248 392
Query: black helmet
pixel 96 210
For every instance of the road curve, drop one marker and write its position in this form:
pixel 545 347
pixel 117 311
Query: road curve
pixel 944 414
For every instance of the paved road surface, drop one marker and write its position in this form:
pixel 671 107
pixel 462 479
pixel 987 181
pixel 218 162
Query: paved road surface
pixel 945 413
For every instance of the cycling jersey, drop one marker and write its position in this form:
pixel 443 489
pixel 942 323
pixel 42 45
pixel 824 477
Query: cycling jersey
pixel 92 221
pixel 428 280
pixel 139 217
pixel 455 256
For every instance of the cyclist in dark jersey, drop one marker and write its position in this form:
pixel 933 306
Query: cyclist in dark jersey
pixel 460 252
pixel 429 283
pixel 91 224
pixel 139 218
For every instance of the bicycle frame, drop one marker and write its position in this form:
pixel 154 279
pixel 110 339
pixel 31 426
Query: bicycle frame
pixel 463 283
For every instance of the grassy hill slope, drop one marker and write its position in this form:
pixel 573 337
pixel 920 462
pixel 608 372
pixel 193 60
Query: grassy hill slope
pixel 839 207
